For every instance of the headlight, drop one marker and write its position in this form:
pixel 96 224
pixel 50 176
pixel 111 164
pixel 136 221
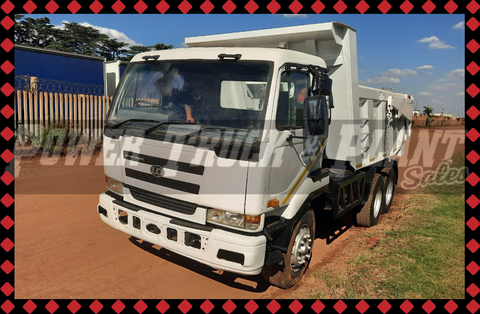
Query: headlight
pixel 235 220
pixel 114 185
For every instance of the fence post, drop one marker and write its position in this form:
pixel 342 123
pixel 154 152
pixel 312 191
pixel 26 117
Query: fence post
pixel 35 114
pixel 83 112
pixel 19 113
pixel 40 106
pixel 90 133
pixel 87 113
pixel 100 125
pixel 30 113
pixel 70 114
pixel 52 112
pixel 101 100
pixel 61 108
pixel 99 112
pixel 34 92
pixel 79 116
pixel 48 105
pixel 75 113
pixel 25 112
pixel 95 122
pixel 56 107
pixel 33 83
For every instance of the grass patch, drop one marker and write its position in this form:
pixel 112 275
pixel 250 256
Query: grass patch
pixel 419 250
pixel 56 140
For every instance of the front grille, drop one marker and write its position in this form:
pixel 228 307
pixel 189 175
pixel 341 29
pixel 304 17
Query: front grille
pixel 163 201
pixel 166 182
pixel 165 163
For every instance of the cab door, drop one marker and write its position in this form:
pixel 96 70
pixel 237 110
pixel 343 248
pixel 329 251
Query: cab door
pixel 290 156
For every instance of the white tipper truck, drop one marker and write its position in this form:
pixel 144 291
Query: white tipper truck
pixel 224 151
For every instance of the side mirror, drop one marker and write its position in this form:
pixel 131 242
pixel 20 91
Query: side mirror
pixel 315 117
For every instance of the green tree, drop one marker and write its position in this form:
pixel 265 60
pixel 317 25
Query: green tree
pixel 81 39
pixel 76 38
pixel 112 49
pixel 34 32
pixel 427 110
pixel 161 46
pixel 23 31
pixel 133 50
pixel 45 32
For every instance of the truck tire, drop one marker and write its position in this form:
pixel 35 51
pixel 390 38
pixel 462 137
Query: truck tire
pixel 370 212
pixel 390 179
pixel 298 255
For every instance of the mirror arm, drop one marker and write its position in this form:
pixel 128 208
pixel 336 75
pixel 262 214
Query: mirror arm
pixel 289 140
pixel 291 137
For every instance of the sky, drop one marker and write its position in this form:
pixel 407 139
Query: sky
pixel 421 55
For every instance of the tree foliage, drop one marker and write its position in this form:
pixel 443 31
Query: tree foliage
pixel 35 32
pixel 161 46
pixel 427 110
pixel 134 50
pixel 112 49
pixel 76 38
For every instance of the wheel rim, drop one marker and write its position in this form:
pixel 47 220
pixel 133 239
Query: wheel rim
pixel 389 193
pixel 377 205
pixel 302 247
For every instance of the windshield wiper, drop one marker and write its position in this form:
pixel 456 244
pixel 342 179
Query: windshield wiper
pixel 167 123
pixel 116 126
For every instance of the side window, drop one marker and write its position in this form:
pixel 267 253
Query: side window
pixel 127 93
pixel 140 90
pixel 293 91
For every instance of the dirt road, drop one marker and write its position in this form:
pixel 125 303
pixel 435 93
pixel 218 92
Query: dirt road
pixel 63 250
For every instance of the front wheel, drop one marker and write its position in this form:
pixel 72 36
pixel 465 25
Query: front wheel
pixel 298 255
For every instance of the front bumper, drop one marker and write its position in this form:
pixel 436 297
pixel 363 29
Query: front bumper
pixel 216 248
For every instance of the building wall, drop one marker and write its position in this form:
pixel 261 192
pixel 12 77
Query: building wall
pixel 421 120
pixel 70 68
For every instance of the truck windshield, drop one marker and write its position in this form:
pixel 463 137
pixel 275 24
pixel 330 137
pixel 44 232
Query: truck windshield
pixel 217 95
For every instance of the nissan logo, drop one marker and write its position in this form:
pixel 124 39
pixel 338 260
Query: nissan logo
pixel 157 171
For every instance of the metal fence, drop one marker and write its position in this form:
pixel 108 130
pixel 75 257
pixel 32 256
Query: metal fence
pixel 37 84
pixel 40 105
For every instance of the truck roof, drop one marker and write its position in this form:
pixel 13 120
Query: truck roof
pixel 277 55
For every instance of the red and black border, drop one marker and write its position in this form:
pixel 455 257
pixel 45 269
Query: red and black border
pixel 9 304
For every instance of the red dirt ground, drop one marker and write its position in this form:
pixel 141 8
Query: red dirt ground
pixel 64 250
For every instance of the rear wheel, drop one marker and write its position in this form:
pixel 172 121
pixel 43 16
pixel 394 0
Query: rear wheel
pixel 370 212
pixel 298 255
pixel 390 179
